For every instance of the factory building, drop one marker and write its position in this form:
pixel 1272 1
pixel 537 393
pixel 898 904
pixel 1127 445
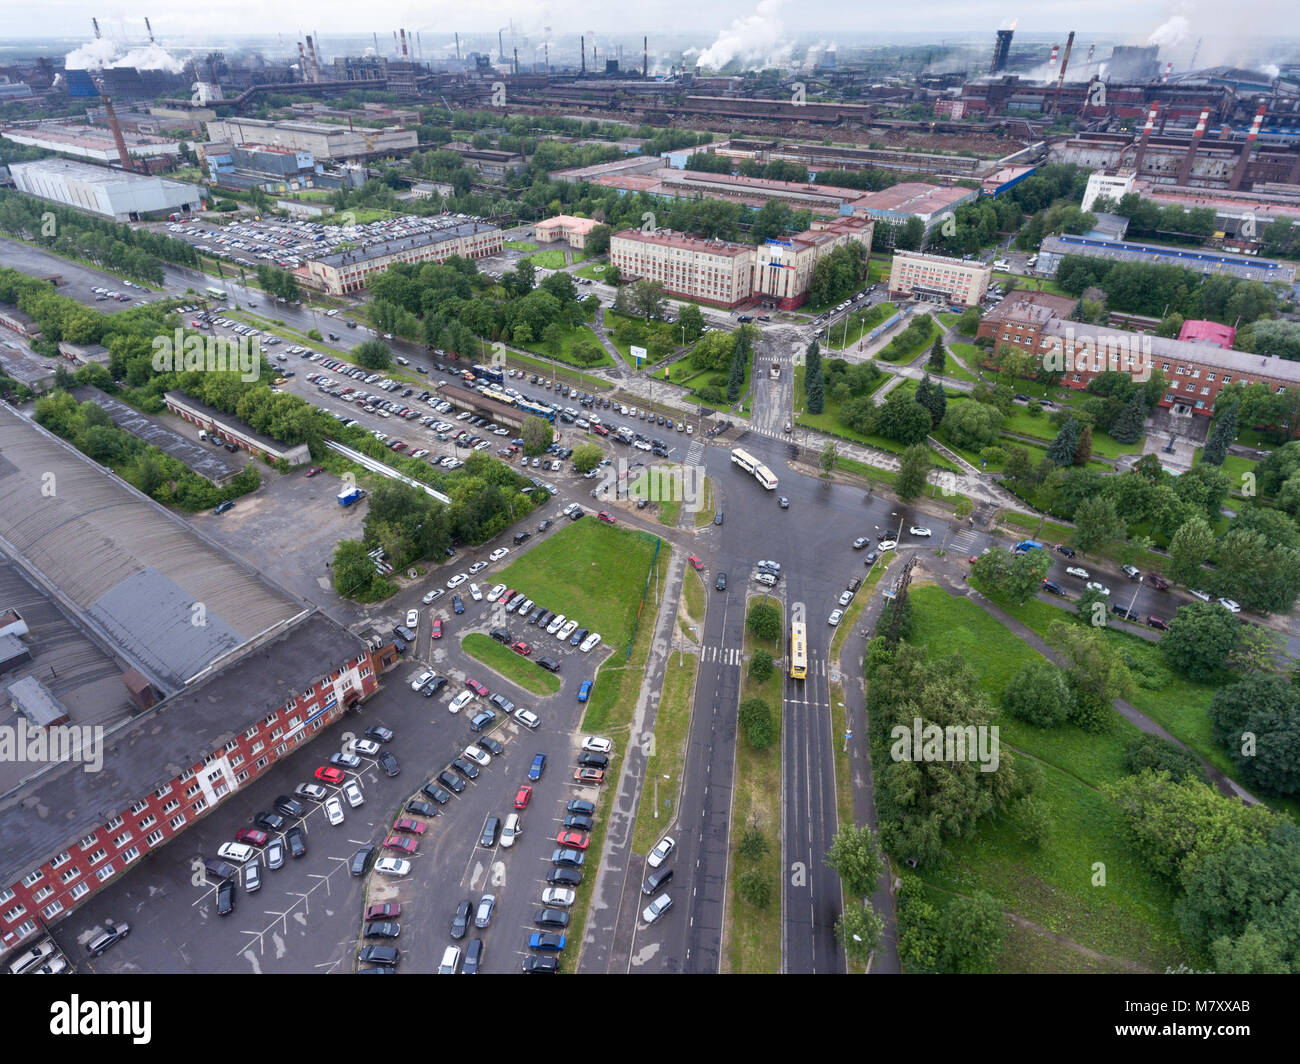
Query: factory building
pixel 323 141
pixel 1248 268
pixel 114 194
pixel 92 143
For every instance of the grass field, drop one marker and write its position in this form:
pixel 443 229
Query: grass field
pixel 513 667
pixel 667 759
pixel 1235 466
pixel 753 936
pixel 704 515
pixel 593 271
pixel 548 260
pixel 1130 917
pixel 520 245
pixel 589 570
pixel 557 372
pixel 577 335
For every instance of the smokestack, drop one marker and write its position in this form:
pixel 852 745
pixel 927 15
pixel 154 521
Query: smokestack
pixel 645 56
pixel 403 32
pixel 311 58
pixel 1056 50
pixel 1169 69
pixel 517 60
pixel 302 62
pixel 98 34
pixel 376 39
pixel 458 46
pixel 395 52
pixel 149 30
pixel 583 39
pixel 1146 136
pixel 118 139
pixel 1185 171
pixel 546 52
pixel 1240 172
pixel 1065 61
pixel 501 46
pixel 1001 49
pixel 419 48
pixel 1091 49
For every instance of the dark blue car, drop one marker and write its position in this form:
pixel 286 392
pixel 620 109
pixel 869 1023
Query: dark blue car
pixel 584 691
pixel 538 765
pixel 457 603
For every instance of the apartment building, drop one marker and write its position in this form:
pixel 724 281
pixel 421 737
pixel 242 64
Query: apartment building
pixel 938 279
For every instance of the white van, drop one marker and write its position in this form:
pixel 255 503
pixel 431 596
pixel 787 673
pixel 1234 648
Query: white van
pixel 31 957
pixel 512 828
pixel 475 593
pixel 766 579
pixel 450 961
pixel 238 852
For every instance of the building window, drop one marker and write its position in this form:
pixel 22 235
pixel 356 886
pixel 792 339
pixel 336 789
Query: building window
pixel 105 872
pixel 98 856
pixel 122 839
pixel 139 807
pixel 32 878
pixel 147 822
pixel 52 910
pixel 251 733
pixel 79 891
pixel 257 747
pixel 191 791
pixel 58 862
pixel 130 855
pixel 154 837
pixel 177 822
pixel 188 774
pixel 6 896
pixel 70 874
pixel 43 893
pixel 1209 376
pixel 163 791
pixel 87 842
pixel 230 745
pixel 14 913
pixel 114 824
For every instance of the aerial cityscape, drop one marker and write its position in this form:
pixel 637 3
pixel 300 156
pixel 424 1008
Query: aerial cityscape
pixel 781 494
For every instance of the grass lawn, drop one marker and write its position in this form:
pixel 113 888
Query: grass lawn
pixel 910 352
pixel 954 369
pixel 1052 886
pixel 1042 428
pixel 662 488
pixel 753 936
pixel 593 271
pixel 1235 466
pixel 513 667
pixel 589 570
pixel 859 324
pixel 668 750
pixel 520 245
pixel 553 371
pixel 948 319
pixel 548 260
pixel 580 334
pixel 704 515
pixel 612 319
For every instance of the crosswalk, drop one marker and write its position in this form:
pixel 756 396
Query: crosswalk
pixel 725 655
pixel 964 540
pixel 695 452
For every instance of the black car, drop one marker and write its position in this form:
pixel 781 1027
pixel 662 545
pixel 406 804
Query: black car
pixel 520 537
pixel 491 829
pixel 435 684
pixel 389 764
pixel 578 636
pixel 655 880
pixel 1063 549
pixel 379 734
pixel 549 664
pixel 870 559
pixel 546 618
pixel 432 790
pixel 473 957
pixel 451 781
pixel 381 929
pixel 457 604
pixel 1120 610
pixel 387 956
pixel 402 632
pixel 268 821
pixel 289 806
pixel 551 918
pixel 540 965
pixel 721 582
pixel 296 840
pixel 492 746
pixel 578 822
pixel 1054 588
pixel 564 877
pixel 581 806
pixel 460 922
pixel 466 768
pixel 501 635
pixel 226 897
pixel 536 615
pixel 421 808
pixel 590 760
pixel 545 525
pixel 361 860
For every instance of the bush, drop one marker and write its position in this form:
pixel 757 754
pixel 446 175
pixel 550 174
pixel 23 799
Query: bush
pixel 993 455
pixel 1090 713
pixel 760 665
pixel 756 718
pixel 1160 755
pixel 1039 694
pixel 753 844
pixel 764 621
pixel 754 887
pixel 712 394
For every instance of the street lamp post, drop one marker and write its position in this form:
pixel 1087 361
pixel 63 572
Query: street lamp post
pixel 1135 597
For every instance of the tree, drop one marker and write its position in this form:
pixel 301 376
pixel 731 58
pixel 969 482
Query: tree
pixel 1260 575
pixel 597 242
pixel 1083 449
pixel 1151 752
pixel 586 457
pixel 1222 434
pixel 1095 665
pixel 1127 428
pixel 1258 721
pixel 755 888
pixel 353 570
pixel 1201 636
pixel 913 469
pixel 736 378
pixel 828 457
pixel 1189 550
pixel 753 844
pixel 553 339
pixel 755 717
pixel 855 857
pixel 1019 465
pixel 903 419
pixel 1011 577
pixel 938 357
pixel 538 435
pixel 1038 694
pixel 760 665
pixel 859 929
pixel 930 395
pixel 764 621
pixel 974 931
pixel 1061 450
pixel 373 354
pixel 1097 526
pixel 971 425
pixel 691 322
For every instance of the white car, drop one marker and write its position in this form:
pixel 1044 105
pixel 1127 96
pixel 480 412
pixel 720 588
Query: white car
pixel 511 830
pixel 421 679
pixel 1082 574
pixel 835 617
pixel 366 746
pixel 567 630
pixel 499 553
pixel 437 592
pixel 478 755
pixel 590 643
pixel 475 592
pixel 886 544
pixel 1204 596
pixel 555 625
pixel 478 567
pixel 595 744
pixel 334 811
pixel 460 701
pixel 495 593
pixel 527 717
pixel 917 530
pixel 558 897
pixel 659 854
pixel 656 908
pixel 456 581
pixel 1101 589
pixel 1230 605
pixel 845 597
pixel 392 866
pixel 352 792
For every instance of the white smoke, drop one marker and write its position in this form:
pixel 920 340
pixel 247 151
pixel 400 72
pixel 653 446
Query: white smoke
pixel 103 53
pixel 755 41
pixel 1171 33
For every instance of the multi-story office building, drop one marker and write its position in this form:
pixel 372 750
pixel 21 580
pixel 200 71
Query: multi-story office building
pixel 938 279
pixel 351 271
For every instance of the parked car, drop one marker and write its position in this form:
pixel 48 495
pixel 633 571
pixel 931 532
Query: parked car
pixel 662 851
pixel 538 766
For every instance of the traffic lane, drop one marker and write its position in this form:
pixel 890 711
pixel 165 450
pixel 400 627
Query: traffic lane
pixel 77 280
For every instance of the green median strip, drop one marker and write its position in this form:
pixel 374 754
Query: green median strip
pixel 515 668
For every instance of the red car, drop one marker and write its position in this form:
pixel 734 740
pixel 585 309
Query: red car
pixel 522 796
pixel 437 628
pixel 695 563
pixel 252 836
pixel 521 648
pixel 605 516
pixel 400 842
pixel 1158 581
pixel 590 775
pixel 386 910
pixel 476 687
pixel 414 827
pixel 576 840
pixel 506 596
pixel 330 774
pixel 314 470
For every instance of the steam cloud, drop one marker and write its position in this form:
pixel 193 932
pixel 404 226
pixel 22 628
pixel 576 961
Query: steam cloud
pixel 103 53
pixel 755 41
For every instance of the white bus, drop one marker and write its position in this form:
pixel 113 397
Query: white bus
pixel 750 464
